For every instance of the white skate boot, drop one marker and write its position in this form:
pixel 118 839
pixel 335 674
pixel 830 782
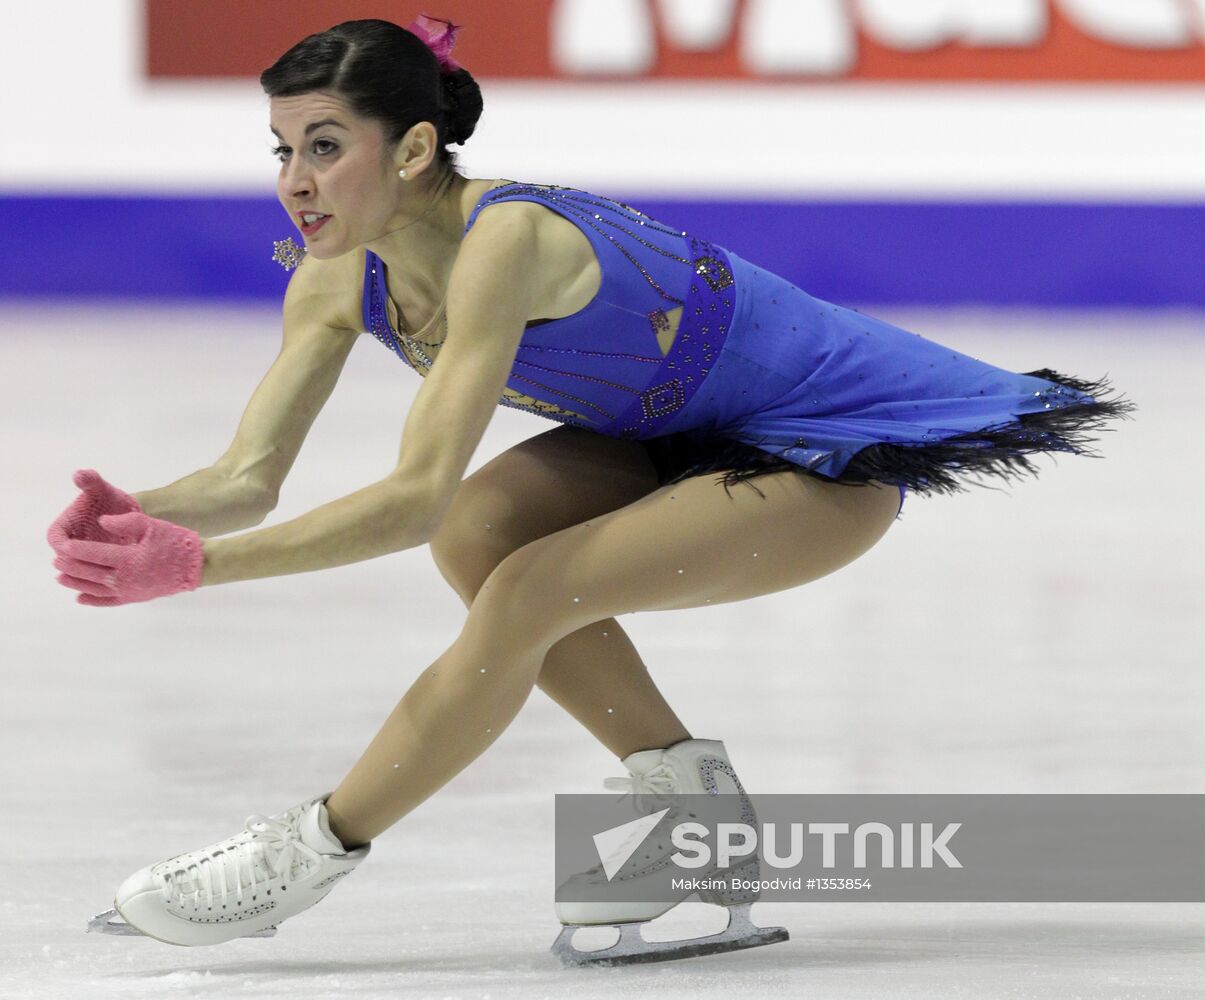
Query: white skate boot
pixel 656 777
pixel 240 887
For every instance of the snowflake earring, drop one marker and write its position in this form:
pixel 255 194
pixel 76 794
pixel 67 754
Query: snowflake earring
pixel 287 254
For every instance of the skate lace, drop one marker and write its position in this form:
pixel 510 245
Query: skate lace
pixel 273 843
pixel 660 780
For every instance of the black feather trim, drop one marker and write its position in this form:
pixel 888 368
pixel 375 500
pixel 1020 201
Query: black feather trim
pixel 944 467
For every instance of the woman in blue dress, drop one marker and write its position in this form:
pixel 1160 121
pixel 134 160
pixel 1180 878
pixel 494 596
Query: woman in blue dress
pixel 721 435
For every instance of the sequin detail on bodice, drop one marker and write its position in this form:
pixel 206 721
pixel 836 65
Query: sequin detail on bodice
pixel 611 367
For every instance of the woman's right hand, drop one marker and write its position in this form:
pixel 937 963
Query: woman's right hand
pixel 82 519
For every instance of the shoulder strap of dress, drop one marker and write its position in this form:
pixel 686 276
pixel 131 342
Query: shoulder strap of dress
pixel 511 190
pixel 372 277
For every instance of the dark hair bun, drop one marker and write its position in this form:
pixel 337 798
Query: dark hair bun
pixel 462 100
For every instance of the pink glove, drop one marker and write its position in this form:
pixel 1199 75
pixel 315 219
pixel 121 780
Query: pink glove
pixel 150 559
pixel 80 519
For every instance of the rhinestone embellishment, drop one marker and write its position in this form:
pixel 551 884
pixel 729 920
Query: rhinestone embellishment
pixel 661 400
pixel 287 254
pixel 708 767
pixel 715 272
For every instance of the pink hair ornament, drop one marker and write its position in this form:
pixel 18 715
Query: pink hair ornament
pixel 439 36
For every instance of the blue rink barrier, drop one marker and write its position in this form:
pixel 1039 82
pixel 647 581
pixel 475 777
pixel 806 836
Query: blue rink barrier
pixel 1001 253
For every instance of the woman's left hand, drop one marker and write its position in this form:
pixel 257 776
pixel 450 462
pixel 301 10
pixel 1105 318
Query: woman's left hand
pixel 152 558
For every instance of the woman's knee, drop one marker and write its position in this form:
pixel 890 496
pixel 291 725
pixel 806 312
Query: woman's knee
pixel 525 597
pixel 477 533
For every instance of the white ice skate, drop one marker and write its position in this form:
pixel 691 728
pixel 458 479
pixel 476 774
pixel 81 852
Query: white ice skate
pixel 240 887
pixel 691 767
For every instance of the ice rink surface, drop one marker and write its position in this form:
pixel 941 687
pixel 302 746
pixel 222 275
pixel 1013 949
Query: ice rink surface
pixel 1044 638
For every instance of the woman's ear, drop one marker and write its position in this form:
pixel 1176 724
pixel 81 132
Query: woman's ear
pixel 416 150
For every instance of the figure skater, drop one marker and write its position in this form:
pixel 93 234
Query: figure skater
pixel 665 359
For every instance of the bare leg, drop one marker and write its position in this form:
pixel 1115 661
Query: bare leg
pixel 598 677
pixel 542 485
pixel 645 556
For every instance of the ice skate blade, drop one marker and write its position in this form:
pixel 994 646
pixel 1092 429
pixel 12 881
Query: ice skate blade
pixel 110 923
pixel 632 947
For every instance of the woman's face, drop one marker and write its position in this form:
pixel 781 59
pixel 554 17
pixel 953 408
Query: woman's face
pixel 336 178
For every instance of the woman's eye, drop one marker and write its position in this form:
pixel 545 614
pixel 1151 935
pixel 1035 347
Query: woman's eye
pixel 321 147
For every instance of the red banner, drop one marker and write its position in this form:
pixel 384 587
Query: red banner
pixel 794 40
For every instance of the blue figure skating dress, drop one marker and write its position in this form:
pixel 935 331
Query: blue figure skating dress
pixel 759 376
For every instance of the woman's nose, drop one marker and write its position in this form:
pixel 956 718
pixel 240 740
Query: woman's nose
pixel 296 181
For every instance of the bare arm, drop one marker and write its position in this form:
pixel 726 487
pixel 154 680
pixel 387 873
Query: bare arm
pixel 207 501
pixel 489 301
pixel 243 486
